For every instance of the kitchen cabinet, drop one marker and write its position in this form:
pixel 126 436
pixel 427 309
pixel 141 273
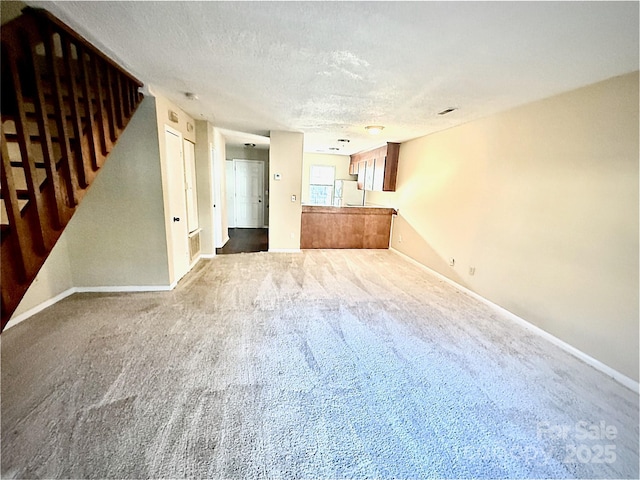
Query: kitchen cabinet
pixel 345 227
pixel 379 165
pixel 377 168
pixel 368 173
pixel 353 167
pixel 361 170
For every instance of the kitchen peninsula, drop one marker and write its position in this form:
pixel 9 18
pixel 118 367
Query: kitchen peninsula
pixel 345 227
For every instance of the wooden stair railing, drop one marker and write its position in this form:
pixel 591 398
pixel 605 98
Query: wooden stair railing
pixel 64 105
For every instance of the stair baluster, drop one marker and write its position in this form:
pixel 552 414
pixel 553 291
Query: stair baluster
pixel 64 105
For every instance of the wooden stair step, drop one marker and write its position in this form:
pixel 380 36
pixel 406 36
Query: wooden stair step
pixel 13 137
pixel 22 194
pixel 20 165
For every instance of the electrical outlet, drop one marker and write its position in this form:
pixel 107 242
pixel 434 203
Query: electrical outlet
pixel 472 271
pixel 400 238
pixel 452 262
pixel 293 198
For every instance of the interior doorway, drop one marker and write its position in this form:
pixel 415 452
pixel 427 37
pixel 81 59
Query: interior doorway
pixel 179 231
pixel 246 207
pixel 248 193
pixel 246 240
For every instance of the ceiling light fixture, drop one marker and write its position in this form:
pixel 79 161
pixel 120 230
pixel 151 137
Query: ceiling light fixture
pixel 374 129
pixel 250 145
pixel 191 96
pixel 343 140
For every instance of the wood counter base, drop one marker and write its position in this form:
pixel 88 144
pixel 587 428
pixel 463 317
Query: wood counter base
pixel 345 227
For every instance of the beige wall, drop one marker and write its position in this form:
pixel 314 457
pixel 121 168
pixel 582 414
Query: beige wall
pixel 185 124
pixel 10 9
pixel 543 201
pixel 259 154
pixel 117 236
pixel 285 158
pixel 204 185
pixel 341 162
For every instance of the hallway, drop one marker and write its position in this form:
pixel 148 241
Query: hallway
pixel 246 240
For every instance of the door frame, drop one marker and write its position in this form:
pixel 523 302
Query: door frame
pixel 174 185
pixel 261 210
pixel 216 181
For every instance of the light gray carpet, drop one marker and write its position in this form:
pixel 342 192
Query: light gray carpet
pixel 325 364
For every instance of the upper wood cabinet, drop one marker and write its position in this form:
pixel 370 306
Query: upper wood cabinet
pixel 377 169
pixel 353 167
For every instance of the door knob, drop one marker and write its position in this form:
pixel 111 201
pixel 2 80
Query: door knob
pixel 176 219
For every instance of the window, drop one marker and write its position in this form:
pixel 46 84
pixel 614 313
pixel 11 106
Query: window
pixel 321 180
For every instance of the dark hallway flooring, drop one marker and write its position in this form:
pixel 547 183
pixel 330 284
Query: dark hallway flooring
pixel 246 240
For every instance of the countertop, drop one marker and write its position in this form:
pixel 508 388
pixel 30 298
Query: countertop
pixel 349 210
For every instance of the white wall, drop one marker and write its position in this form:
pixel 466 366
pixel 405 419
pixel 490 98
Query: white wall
pixel 285 158
pixel 543 201
pixel 340 162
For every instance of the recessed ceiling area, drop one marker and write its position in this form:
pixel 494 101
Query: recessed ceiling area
pixel 243 139
pixel 328 69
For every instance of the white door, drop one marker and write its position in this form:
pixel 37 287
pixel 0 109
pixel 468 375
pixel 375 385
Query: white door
pixel 179 250
pixel 249 183
pixel 190 185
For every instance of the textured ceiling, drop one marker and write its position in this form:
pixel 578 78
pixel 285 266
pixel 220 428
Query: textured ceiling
pixel 328 69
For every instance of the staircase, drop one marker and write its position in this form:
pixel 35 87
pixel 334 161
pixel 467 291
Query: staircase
pixel 64 105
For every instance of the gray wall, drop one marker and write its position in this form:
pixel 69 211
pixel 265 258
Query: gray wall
pixel 117 237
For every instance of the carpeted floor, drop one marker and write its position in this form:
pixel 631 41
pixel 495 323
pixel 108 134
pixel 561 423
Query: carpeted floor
pixel 325 364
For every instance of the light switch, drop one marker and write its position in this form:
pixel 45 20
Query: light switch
pixel 293 198
pixel 277 176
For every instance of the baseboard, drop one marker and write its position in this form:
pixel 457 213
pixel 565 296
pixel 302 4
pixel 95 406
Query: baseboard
pixel 285 250
pixel 597 364
pixel 109 289
pixel 208 255
pixel 38 308
pixel 127 289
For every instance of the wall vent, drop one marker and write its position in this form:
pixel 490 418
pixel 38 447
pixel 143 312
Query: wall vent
pixel 194 245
